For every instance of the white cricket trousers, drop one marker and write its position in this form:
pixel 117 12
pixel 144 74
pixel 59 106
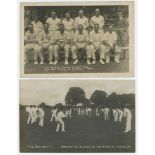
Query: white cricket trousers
pixel 61 123
pixel 128 124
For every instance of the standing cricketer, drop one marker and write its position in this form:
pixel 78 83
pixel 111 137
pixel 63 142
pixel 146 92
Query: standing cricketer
pixel 27 22
pixel 97 43
pixel 115 115
pixel 89 111
pixel 69 112
pixel 81 41
pixel 97 19
pixel 81 20
pixel 53 23
pixel 33 114
pixel 79 111
pixel 68 23
pixel 54 111
pixel 37 25
pixel 28 110
pixel 120 114
pixel 97 112
pixel 106 113
pixel 122 30
pixel 86 111
pixel 40 115
pixel 60 121
pixel 128 118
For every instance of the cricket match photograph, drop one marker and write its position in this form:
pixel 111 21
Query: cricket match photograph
pixel 77 116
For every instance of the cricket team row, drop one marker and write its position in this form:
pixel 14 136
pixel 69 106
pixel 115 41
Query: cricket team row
pixel 71 41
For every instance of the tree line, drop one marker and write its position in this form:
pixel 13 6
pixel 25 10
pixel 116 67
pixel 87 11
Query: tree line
pixel 76 96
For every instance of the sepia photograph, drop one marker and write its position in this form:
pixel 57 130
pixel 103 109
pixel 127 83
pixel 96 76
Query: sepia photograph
pixel 87 39
pixel 77 116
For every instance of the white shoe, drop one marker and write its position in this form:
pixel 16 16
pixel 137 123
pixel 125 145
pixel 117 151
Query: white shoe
pixel 126 131
pixel 94 62
pixel 55 62
pixel 41 62
pixel 75 62
pixel 117 61
pixel 107 61
pixel 88 62
pixel 26 62
pixel 51 62
pixel 66 62
pixel 64 131
pixel 35 62
pixel 102 62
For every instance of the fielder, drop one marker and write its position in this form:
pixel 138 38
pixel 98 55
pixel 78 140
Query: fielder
pixel 60 122
pixel 62 42
pixel 54 111
pixel 97 19
pixel 86 111
pixel 33 115
pixel 82 111
pixel 102 111
pixel 111 42
pixel 120 115
pixel 40 115
pixel 79 111
pixel 106 113
pixel 31 44
pixel 68 113
pixel 97 112
pixel 115 115
pixel 89 111
pixel 97 43
pixel 28 110
pixel 128 117
pixel 81 40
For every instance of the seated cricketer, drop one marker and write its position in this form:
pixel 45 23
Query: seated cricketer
pixel 97 43
pixel 31 44
pixel 111 43
pixel 62 43
pixel 46 41
pixel 81 41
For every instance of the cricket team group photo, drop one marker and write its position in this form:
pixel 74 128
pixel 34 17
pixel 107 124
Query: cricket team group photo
pixel 75 39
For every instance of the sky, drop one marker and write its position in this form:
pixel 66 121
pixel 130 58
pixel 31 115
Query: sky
pixel 33 92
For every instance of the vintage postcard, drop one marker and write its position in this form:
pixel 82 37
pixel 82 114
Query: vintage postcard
pixel 77 116
pixel 77 39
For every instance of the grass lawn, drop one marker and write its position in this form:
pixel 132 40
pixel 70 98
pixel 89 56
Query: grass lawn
pixel 83 134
